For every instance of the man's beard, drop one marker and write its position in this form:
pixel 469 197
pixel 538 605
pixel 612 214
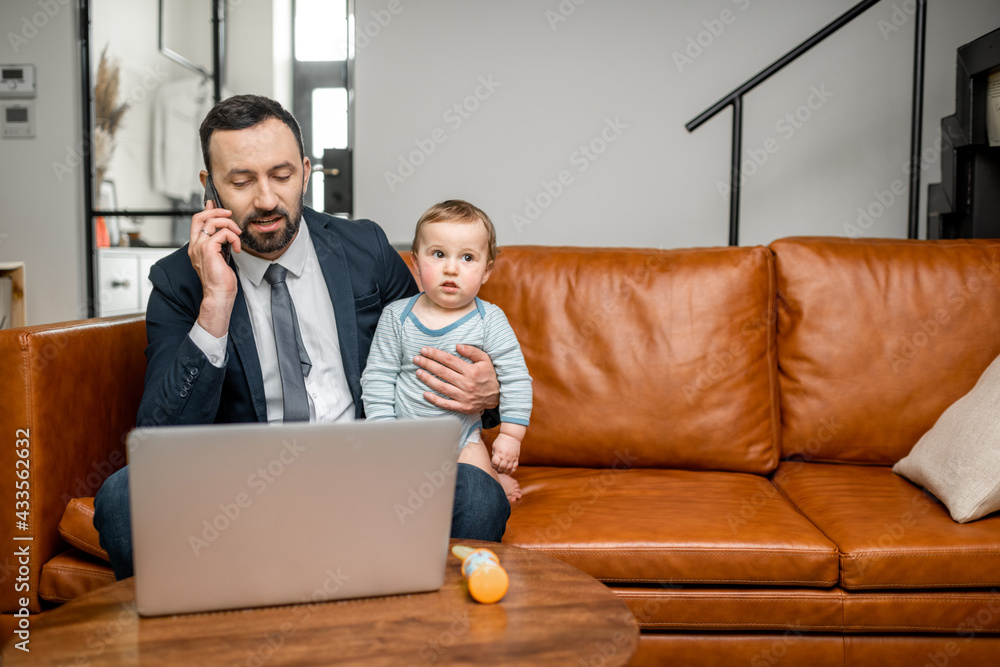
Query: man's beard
pixel 269 242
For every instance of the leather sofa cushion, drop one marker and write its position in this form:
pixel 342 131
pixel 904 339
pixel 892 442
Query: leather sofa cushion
pixel 891 533
pixel 877 337
pixel 77 527
pixel 71 574
pixel 812 610
pixel 670 526
pixel 667 354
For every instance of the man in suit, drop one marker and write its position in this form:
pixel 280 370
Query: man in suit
pixel 212 352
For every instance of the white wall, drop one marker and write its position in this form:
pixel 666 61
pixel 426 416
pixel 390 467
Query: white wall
pixel 654 186
pixel 41 217
pixel 565 67
pixel 249 47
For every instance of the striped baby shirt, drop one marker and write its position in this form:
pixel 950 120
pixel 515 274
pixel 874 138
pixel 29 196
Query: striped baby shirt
pixel 389 385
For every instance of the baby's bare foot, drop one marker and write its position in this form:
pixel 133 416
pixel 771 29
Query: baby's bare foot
pixel 510 487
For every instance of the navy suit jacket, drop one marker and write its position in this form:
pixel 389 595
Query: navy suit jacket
pixel 363 273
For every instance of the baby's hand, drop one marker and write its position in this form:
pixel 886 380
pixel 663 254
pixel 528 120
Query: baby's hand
pixel 505 453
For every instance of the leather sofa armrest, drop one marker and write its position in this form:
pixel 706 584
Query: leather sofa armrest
pixel 70 393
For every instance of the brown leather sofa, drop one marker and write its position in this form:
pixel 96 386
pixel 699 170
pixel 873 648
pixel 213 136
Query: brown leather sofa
pixel 712 436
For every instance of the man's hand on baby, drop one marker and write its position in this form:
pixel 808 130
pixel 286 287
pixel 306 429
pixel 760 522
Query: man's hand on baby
pixel 470 388
pixel 505 452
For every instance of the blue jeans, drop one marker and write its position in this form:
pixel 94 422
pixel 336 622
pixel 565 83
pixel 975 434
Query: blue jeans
pixel 481 507
pixel 480 513
pixel 113 522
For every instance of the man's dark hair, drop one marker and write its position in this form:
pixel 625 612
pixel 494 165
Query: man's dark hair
pixel 240 112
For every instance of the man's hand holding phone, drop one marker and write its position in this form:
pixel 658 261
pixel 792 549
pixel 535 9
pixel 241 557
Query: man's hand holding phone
pixel 212 229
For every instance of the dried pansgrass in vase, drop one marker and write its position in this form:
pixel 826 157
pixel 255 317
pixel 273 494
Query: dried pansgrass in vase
pixel 108 114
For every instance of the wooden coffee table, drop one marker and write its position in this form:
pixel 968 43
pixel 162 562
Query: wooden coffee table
pixel 553 614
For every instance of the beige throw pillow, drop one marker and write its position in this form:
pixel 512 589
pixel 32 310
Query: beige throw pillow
pixel 958 460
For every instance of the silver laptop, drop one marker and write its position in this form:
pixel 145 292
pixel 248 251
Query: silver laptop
pixel 229 517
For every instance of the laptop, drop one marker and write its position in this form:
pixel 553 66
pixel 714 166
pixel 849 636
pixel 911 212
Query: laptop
pixel 252 515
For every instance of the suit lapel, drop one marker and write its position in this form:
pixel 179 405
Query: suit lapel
pixel 333 262
pixel 241 333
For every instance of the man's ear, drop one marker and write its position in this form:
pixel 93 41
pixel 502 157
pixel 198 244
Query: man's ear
pixel 203 176
pixel 306 173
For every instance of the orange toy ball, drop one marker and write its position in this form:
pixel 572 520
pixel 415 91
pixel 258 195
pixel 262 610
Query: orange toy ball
pixel 488 584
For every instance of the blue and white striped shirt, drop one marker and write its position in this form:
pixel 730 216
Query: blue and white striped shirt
pixel 390 388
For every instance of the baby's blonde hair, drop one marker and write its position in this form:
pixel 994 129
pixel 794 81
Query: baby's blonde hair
pixel 456 210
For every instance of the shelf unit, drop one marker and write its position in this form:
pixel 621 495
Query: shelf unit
pixel 15 270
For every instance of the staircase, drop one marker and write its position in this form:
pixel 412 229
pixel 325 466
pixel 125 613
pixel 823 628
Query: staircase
pixel 735 100
pixel 966 203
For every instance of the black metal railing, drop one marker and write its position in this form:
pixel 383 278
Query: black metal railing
pixel 735 100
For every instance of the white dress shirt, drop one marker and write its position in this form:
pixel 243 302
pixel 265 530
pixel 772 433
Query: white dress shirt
pixel 330 397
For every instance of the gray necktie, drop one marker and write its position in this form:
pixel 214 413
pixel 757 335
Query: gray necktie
pixel 293 361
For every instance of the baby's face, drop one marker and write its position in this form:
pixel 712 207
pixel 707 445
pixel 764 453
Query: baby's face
pixel 452 262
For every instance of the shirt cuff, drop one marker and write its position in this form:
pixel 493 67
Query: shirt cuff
pixel 214 348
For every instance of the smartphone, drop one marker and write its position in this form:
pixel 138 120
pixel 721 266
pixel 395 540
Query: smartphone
pixel 213 194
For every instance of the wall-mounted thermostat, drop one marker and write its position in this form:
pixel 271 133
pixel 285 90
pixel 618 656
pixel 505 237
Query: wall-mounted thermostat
pixel 17 80
pixel 17 119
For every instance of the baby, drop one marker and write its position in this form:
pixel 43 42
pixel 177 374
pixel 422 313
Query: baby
pixel 454 248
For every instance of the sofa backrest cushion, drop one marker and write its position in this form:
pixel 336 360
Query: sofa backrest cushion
pixel 876 338
pixel 645 358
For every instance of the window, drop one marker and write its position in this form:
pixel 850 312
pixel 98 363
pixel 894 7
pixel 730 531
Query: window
pixel 320 72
